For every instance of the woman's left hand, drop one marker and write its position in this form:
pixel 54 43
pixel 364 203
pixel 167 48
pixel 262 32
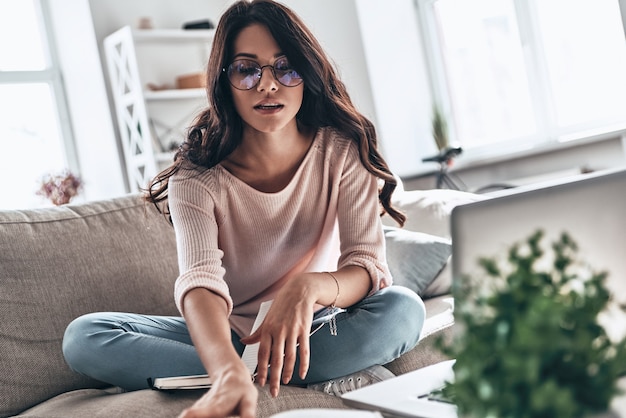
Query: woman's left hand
pixel 285 332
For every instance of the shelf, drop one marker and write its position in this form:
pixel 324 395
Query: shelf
pixel 138 122
pixel 173 34
pixel 174 94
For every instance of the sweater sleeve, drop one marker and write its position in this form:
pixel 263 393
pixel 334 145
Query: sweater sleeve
pixel 360 226
pixel 192 207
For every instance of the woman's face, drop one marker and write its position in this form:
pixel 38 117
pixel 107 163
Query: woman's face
pixel 269 106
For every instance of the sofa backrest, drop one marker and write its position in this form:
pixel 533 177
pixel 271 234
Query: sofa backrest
pixel 58 263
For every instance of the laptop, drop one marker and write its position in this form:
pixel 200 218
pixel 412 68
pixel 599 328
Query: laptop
pixel 407 395
pixel 591 208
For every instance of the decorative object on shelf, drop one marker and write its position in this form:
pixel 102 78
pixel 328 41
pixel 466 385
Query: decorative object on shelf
pixel 530 341
pixel 145 23
pixel 60 188
pixel 159 87
pixel 199 24
pixel 191 81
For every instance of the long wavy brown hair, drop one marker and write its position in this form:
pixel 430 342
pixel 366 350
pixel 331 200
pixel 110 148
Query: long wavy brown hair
pixel 217 130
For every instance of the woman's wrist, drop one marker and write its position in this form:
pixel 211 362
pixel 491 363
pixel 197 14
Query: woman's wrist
pixel 344 287
pixel 332 276
pixel 326 288
pixel 230 367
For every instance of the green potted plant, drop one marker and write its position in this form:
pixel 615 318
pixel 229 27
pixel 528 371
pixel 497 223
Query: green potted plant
pixel 440 129
pixel 530 344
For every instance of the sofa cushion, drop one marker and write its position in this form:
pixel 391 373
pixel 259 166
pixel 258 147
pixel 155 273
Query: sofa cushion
pixel 59 263
pixel 429 211
pixel 98 403
pixel 416 259
pixel 442 284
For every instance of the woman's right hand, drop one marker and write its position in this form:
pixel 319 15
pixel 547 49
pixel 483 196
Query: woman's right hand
pixel 232 393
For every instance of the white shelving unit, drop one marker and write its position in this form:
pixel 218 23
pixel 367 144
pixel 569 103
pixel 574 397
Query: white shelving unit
pixel 152 114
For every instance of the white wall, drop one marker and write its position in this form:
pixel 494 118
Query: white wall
pixel 622 6
pixel 336 26
pixel 361 36
pixel 92 126
pixel 400 82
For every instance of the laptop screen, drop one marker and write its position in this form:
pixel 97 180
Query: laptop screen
pixel 590 208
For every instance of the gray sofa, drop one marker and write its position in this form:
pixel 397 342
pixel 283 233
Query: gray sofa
pixel 113 255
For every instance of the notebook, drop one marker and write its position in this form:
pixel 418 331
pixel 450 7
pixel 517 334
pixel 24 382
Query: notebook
pixel 591 208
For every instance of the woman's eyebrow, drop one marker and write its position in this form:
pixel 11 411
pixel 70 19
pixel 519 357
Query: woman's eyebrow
pixel 244 55
pixel 254 56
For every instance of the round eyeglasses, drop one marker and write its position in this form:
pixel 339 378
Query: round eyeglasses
pixel 244 74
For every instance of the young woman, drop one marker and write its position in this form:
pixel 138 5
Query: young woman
pixel 274 195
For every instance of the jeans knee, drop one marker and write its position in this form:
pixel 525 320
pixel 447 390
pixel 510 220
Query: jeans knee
pixel 76 345
pixel 407 308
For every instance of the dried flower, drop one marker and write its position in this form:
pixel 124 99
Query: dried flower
pixel 60 188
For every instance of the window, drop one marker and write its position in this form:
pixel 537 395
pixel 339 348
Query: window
pixel 35 137
pixel 512 74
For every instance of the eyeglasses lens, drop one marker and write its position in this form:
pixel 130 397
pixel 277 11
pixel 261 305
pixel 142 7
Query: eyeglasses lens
pixel 246 74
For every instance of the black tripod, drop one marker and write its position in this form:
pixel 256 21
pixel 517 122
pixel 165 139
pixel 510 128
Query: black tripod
pixel 444 158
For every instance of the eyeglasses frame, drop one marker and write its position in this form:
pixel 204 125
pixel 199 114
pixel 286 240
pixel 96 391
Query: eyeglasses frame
pixel 261 68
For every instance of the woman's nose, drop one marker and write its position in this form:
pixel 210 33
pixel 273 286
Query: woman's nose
pixel 267 81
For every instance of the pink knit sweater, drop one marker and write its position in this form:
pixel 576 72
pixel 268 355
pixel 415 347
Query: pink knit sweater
pixel 243 244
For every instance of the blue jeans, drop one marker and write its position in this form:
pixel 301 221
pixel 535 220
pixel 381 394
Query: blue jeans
pixel 125 349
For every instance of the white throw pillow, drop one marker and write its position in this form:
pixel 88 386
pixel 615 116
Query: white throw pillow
pixel 429 211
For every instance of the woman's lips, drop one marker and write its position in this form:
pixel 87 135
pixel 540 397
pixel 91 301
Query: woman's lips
pixel 268 107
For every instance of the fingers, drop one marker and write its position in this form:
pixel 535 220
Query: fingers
pixel 279 354
pixel 289 361
pixel 228 397
pixel 276 363
pixel 207 408
pixel 247 407
pixel 263 356
pixel 282 338
pixel 253 338
pixel 305 356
